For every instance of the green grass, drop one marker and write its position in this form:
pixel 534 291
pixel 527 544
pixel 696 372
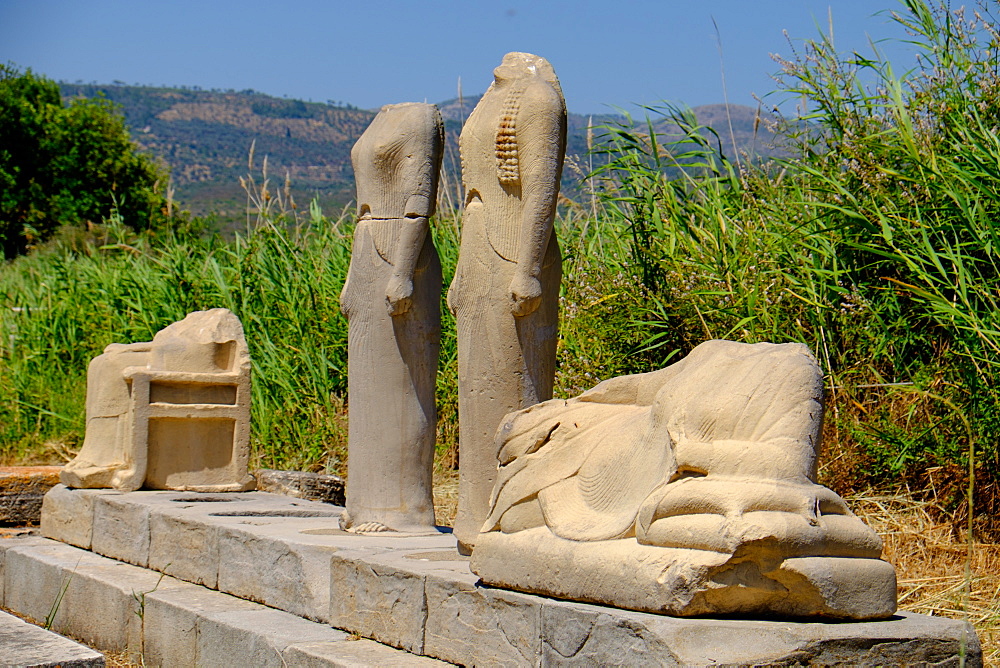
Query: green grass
pixel 79 295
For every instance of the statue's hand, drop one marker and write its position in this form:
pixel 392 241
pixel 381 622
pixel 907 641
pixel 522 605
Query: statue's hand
pixel 399 295
pixel 525 295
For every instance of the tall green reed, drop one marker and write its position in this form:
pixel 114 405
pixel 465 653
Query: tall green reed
pixel 874 241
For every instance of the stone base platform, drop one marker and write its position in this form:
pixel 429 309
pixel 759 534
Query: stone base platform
pixel 161 621
pixel 417 593
pixel 686 582
pixel 23 644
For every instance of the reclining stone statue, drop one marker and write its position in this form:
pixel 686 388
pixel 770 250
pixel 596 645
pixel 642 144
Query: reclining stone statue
pixel 505 294
pixel 392 300
pixel 173 413
pixel 686 491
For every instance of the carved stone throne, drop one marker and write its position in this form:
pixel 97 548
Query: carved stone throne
pixel 170 414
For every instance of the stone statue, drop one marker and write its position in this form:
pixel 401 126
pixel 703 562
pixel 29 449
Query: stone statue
pixel 506 287
pixel 392 300
pixel 688 491
pixel 173 413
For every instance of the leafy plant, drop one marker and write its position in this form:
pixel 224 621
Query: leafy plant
pixel 67 164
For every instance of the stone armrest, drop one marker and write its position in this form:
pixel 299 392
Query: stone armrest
pixel 223 378
pixel 140 347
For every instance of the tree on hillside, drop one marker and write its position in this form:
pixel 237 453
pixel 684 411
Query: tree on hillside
pixel 66 164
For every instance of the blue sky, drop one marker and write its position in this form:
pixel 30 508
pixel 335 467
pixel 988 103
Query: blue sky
pixel 370 53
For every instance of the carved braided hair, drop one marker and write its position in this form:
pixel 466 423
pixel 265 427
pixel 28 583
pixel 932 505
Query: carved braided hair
pixel 506 146
pixel 508 167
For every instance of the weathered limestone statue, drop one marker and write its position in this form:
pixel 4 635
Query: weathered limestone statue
pixel 392 300
pixel 506 288
pixel 687 491
pixel 173 413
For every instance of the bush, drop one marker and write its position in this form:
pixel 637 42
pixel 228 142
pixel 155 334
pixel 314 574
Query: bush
pixel 67 164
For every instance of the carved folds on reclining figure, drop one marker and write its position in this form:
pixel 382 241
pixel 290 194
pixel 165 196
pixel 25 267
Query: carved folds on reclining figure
pixel 173 413
pixel 688 490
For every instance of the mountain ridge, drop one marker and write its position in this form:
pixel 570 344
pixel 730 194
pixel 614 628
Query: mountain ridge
pixel 205 139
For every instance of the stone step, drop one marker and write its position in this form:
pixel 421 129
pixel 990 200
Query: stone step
pixel 161 621
pixel 417 593
pixel 24 644
pixel 267 548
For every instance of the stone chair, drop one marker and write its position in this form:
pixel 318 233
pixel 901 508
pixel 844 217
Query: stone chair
pixel 170 414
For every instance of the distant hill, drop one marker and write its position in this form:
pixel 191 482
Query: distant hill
pixel 205 137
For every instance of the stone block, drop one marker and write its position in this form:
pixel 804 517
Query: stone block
pixel 474 625
pixel 10 539
pixel 121 529
pixel 24 644
pixel 574 633
pixel 302 485
pixel 286 574
pixel 258 637
pixel 21 492
pixel 32 583
pixel 378 600
pixel 99 600
pixel 350 653
pixel 183 547
pixel 68 515
pixel 578 633
pixel 170 624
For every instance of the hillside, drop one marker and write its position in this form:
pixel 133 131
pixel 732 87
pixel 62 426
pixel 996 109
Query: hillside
pixel 205 138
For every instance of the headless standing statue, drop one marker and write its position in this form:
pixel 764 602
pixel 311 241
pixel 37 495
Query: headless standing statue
pixel 392 303
pixel 506 288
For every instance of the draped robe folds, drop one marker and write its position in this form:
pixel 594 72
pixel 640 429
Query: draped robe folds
pixel 392 359
pixel 688 456
pixel 684 491
pixel 505 362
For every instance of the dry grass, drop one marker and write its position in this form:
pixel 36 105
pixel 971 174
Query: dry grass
pixel 445 495
pixel 120 659
pixel 937 573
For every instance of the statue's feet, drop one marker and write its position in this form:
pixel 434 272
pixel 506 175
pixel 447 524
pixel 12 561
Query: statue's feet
pixel 370 527
pixel 781 518
pixel 127 479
